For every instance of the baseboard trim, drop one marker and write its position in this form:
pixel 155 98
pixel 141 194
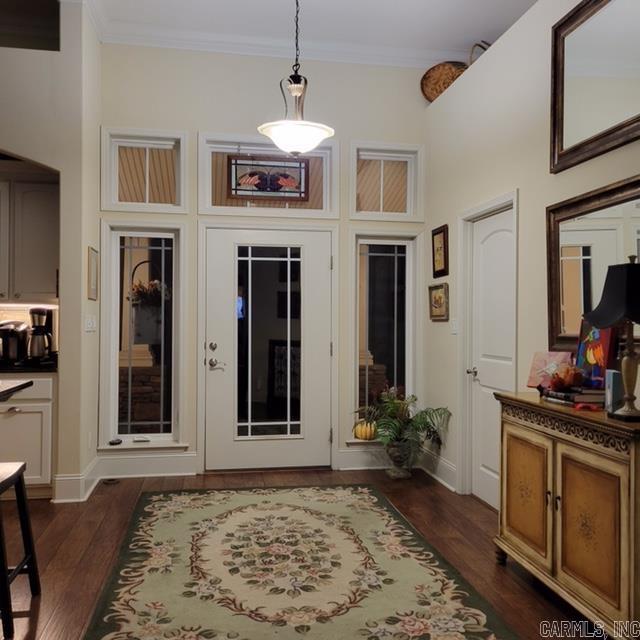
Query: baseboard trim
pixel 78 487
pixel 75 487
pixel 353 459
pixel 438 468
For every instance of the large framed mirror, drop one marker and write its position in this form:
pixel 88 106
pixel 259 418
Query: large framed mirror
pixel 584 236
pixel 595 81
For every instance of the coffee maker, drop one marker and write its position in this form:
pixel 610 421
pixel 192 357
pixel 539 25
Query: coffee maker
pixel 41 341
pixel 14 338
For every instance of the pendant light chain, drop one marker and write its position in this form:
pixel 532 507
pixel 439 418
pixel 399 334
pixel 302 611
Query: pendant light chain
pixel 295 135
pixel 296 66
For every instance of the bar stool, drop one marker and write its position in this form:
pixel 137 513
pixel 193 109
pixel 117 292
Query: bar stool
pixel 12 475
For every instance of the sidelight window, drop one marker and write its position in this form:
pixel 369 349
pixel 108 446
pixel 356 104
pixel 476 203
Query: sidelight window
pixel 140 382
pixel 382 318
pixel 576 286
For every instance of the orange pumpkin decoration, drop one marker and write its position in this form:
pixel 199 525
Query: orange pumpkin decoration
pixel 365 430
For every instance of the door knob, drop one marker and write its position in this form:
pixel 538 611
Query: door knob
pixel 213 346
pixel 214 363
pixel 473 372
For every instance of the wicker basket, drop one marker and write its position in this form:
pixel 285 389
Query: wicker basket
pixel 439 78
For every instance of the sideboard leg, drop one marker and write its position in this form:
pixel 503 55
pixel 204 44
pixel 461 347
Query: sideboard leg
pixel 501 556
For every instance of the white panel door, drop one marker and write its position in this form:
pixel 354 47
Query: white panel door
pixel 36 240
pixel 268 349
pixel 4 240
pixel 493 344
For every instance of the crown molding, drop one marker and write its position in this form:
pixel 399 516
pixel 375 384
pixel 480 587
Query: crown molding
pixel 129 33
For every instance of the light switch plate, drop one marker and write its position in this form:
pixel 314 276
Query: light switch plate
pixel 454 326
pixel 90 324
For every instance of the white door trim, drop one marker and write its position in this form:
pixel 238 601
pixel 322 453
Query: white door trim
pixel 205 225
pixel 465 286
pixel 361 456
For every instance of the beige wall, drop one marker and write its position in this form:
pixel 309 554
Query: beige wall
pixel 194 91
pixel 91 118
pixel 486 136
pixel 41 115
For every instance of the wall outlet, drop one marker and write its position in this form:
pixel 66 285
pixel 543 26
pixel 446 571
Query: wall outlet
pixel 90 324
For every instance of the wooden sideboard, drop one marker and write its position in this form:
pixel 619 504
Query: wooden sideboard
pixel 570 505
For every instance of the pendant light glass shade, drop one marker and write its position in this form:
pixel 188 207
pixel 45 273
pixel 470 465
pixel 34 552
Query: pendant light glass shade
pixel 295 135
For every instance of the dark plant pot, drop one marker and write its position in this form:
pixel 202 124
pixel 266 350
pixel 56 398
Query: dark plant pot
pixel 400 456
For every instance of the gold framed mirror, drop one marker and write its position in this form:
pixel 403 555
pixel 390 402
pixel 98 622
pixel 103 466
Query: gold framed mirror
pixel 584 236
pixel 595 91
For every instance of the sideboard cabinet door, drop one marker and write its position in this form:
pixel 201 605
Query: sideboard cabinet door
pixel 526 514
pixel 592 546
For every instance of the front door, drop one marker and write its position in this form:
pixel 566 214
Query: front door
pixel 493 334
pixel 268 349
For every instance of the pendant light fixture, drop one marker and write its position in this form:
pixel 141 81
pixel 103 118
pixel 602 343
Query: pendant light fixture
pixel 295 135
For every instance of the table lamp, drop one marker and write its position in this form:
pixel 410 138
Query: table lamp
pixel 621 304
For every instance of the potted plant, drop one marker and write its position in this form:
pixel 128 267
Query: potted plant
pixel 402 429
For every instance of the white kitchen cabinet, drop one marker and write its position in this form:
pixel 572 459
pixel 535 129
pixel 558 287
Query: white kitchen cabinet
pixel 27 425
pixel 25 436
pixel 35 239
pixel 5 191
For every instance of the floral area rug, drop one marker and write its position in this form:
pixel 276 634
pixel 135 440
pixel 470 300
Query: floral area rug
pixel 312 563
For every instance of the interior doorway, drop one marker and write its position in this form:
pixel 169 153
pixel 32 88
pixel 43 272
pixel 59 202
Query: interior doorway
pixel 488 306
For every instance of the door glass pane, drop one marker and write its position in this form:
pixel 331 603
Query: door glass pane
pixel 268 310
pixel 381 320
pixel 145 378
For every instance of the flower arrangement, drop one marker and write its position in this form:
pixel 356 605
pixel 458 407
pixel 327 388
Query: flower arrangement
pixel 151 294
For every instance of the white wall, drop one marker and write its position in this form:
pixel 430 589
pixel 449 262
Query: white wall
pixel 489 135
pixel 196 91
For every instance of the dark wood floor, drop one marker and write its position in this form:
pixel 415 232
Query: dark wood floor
pixel 77 545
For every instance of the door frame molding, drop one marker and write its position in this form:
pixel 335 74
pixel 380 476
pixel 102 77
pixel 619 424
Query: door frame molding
pixel 205 225
pixel 466 221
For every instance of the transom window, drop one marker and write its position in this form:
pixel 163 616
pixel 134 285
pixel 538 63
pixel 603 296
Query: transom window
pixel 143 172
pixel 385 184
pixel 250 178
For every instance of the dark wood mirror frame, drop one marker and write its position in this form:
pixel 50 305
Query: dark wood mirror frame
pixel 614 194
pixel 612 138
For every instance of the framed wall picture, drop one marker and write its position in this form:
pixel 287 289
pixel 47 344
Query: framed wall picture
pixel 439 302
pixel 93 273
pixel 440 251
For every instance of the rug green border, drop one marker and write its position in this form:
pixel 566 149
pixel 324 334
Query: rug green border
pixel 98 628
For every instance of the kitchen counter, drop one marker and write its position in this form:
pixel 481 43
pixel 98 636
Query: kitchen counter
pixel 48 365
pixel 9 387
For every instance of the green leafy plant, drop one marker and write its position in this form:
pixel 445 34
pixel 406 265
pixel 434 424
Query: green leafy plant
pixel 400 426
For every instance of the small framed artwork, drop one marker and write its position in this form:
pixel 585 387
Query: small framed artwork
pixel 439 302
pixel 269 178
pixel 93 273
pixel 440 251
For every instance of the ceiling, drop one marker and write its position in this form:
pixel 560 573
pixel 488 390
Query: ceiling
pixel 410 33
